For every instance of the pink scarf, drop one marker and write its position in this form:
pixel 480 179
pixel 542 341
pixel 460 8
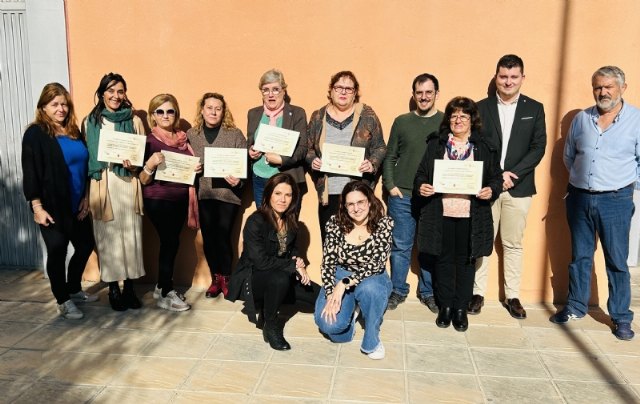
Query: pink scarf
pixel 273 115
pixel 181 143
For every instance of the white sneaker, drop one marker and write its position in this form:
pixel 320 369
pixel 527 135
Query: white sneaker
pixel 173 302
pixel 157 293
pixel 83 297
pixel 378 353
pixel 69 310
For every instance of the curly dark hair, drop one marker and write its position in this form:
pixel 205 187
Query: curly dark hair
pixel 466 105
pixel 289 216
pixel 376 209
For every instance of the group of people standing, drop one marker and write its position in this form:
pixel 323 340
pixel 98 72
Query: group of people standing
pixel 80 200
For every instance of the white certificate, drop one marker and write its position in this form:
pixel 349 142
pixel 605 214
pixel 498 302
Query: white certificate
pixel 457 176
pixel 343 160
pixel 177 168
pixel 271 139
pixel 114 147
pixel 220 162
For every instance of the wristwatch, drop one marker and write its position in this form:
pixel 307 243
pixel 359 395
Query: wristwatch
pixel 346 282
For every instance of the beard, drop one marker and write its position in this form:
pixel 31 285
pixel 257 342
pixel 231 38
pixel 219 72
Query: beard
pixel 607 104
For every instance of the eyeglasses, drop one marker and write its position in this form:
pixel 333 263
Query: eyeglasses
pixel 462 118
pixel 361 204
pixel 428 93
pixel 343 90
pixel 274 91
pixel 162 112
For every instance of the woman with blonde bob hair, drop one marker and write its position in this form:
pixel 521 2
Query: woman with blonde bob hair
pixel 218 198
pixel 167 203
pixel 54 166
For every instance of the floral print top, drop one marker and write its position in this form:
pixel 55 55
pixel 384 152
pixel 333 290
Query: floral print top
pixel 363 260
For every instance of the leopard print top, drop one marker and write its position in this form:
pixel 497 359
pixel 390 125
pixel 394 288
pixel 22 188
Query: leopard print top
pixel 363 260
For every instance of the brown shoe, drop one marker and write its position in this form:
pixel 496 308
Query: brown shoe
pixel 515 309
pixel 475 305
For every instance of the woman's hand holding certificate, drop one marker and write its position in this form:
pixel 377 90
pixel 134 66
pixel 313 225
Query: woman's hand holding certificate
pixel 345 160
pixel 272 139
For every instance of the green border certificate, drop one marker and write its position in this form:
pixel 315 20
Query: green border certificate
pixel 114 147
pixel 457 176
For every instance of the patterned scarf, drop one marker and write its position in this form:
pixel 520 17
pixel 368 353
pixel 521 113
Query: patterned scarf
pixel 456 153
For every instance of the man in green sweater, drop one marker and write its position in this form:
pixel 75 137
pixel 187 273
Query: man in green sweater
pixel 407 144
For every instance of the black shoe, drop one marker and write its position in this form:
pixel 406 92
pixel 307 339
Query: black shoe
pixel 460 320
pixel 130 300
pixel 272 332
pixel 116 300
pixel 444 317
pixel 476 303
pixel 394 300
pixel 515 309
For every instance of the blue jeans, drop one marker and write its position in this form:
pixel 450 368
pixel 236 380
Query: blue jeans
pixel 258 189
pixel 609 215
pixel 404 214
pixel 371 295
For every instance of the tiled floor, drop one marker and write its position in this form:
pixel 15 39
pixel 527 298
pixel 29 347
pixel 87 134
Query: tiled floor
pixel 213 354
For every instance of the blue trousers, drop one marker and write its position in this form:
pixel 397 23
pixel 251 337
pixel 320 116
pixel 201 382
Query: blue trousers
pixel 404 215
pixel 371 295
pixel 607 214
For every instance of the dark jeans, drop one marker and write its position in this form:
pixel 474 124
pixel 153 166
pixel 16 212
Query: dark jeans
pixel 326 211
pixel 168 218
pixel 607 215
pixel 216 223
pixel 56 241
pixel 271 288
pixel 455 271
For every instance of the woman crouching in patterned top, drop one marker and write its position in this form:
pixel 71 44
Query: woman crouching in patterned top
pixel 354 257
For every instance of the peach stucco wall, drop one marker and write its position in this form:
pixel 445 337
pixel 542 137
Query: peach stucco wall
pixel 190 47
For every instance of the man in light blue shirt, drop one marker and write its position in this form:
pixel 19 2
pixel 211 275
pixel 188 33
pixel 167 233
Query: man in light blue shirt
pixel 602 154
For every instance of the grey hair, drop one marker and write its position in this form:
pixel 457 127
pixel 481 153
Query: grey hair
pixel 272 76
pixel 610 71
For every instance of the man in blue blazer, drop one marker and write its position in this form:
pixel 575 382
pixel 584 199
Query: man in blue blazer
pixel 516 123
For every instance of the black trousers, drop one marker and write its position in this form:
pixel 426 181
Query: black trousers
pixel 455 271
pixel 216 224
pixel 56 242
pixel 271 288
pixel 326 211
pixel 168 218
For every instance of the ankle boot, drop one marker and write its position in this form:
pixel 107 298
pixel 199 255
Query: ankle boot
pixel 115 297
pixel 272 332
pixel 223 283
pixel 129 298
pixel 214 290
pixel 444 317
pixel 460 320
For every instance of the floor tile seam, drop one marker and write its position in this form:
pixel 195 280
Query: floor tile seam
pixel 32 332
pixel 476 370
pixel 334 373
pixel 262 376
pixel 502 348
